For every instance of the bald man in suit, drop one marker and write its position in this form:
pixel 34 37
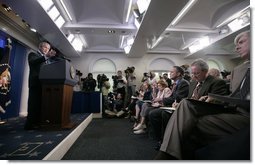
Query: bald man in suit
pixel 212 121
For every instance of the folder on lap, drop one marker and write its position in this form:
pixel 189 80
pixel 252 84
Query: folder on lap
pixel 168 109
pixel 232 100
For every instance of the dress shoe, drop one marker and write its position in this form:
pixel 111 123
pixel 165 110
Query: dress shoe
pixel 139 126
pixel 157 146
pixel 140 131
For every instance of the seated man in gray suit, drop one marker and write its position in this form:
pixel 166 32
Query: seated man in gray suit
pixel 212 121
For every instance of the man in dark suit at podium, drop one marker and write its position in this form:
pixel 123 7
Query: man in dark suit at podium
pixel 35 60
pixel 213 121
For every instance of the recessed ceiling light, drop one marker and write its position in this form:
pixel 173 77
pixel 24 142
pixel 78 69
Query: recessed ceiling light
pixel 6 8
pixel 167 34
pixel 111 31
pixel 33 29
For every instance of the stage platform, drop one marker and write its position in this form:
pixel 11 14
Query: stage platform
pixel 19 144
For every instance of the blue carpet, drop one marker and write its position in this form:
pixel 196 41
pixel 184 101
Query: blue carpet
pixel 19 144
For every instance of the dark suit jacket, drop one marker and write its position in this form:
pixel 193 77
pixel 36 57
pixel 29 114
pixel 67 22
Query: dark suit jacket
pixel 181 91
pixel 210 85
pixel 35 60
pixel 237 76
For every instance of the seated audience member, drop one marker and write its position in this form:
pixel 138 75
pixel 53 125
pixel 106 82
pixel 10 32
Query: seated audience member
pixel 168 80
pixel 121 83
pixel 145 95
pixel 211 121
pixel 116 106
pixel 180 90
pixel 163 92
pixel 130 109
pixel 214 72
pixel 203 83
pixel 186 69
pixel 105 91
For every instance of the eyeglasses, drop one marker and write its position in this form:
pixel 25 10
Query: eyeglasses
pixel 196 73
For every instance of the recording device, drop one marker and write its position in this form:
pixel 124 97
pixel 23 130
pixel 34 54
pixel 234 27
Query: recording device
pixel 145 74
pixel 116 79
pixel 78 73
pixel 129 70
pixel 145 77
pixel 101 78
pixel 89 84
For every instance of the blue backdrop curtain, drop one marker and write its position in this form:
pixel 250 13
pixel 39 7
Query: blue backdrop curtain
pixel 5 75
pixel 16 64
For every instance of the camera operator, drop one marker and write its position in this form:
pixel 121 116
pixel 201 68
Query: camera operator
pixel 105 92
pixel 130 74
pixel 89 83
pixel 101 78
pixel 152 78
pixel 79 85
pixel 145 77
pixel 120 83
pixel 168 80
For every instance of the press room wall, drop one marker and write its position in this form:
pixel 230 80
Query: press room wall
pixel 121 61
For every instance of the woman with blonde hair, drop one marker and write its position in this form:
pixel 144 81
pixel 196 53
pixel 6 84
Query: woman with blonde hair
pixel 163 92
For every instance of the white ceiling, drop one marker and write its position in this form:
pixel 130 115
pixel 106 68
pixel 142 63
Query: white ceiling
pixel 92 19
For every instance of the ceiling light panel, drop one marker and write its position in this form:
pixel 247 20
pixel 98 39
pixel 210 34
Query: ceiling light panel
pixel 53 13
pixel 65 8
pixel 46 4
pixel 60 21
pixel 183 12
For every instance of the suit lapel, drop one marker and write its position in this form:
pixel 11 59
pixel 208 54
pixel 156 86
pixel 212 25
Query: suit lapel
pixel 237 76
pixel 206 84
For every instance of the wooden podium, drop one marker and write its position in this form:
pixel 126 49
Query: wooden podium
pixel 57 91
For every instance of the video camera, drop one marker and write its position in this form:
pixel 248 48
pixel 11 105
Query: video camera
pixel 145 74
pixel 116 79
pixel 129 70
pixel 101 78
pixel 78 73
pixel 145 77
